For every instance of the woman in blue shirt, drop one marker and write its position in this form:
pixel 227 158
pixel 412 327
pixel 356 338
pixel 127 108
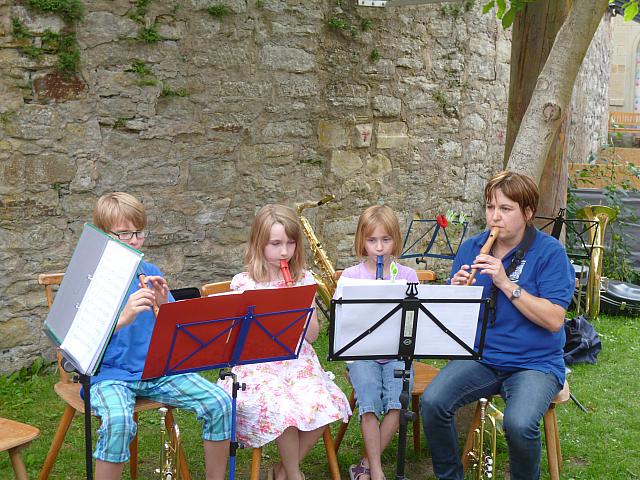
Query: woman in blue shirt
pixel 522 356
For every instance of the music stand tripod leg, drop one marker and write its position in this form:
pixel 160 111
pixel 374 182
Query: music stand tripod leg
pixel 234 445
pixel 86 386
pixel 406 416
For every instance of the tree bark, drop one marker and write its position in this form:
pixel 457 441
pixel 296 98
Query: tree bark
pixel 552 94
pixel 534 32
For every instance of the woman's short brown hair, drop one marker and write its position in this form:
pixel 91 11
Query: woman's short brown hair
pixel 266 218
pixel 517 187
pixel 117 206
pixel 372 217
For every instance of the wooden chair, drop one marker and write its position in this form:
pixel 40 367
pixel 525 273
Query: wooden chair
pixel 551 433
pixel 256 455
pixel 69 392
pixel 14 436
pixel 215 287
pixel 423 374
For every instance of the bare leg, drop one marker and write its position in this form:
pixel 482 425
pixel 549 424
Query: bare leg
pixel 308 440
pixel 371 436
pixel 389 427
pixel 215 458
pixel 289 448
pixel 108 470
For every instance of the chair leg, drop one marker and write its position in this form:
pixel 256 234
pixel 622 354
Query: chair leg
pixel 332 458
pixel 415 406
pixel 56 443
pixel 342 429
pixel 256 459
pixel 554 456
pixel 17 463
pixel 468 444
pixel 183 466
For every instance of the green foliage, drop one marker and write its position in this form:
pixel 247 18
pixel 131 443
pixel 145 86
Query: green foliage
pixel 69 10
pixel 167 91
pixel 630 10
pixel 337 23
pixel 219 10
pixel 20 32
pixel 366 25
pixel 458 9
pixel 120 123
pixel 68 53
pixel 140 10
pixel 615 264
pixel 140 68
pixel 149 34
pixel 259 4
pixel 374 56
pixel 31 51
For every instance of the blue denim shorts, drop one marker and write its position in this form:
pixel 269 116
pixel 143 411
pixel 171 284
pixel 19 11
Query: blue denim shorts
pixel 377 390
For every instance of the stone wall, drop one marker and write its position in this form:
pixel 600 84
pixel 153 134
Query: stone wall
pixel 588 128
pixel 226 113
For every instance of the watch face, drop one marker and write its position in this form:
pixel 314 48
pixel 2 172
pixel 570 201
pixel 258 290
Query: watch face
pixel 516 293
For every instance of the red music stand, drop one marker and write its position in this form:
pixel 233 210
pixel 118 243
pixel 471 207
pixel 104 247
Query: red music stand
pixel 231 329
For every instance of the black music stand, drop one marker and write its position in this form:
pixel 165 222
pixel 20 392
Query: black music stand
pixel 409 308
pixel 223 331
pixel 414 239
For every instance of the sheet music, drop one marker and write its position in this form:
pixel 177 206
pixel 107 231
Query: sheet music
pixel 354 319
pixel 100 306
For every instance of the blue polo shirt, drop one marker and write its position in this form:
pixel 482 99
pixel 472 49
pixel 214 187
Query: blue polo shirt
pixel 126 353
pixel 514 342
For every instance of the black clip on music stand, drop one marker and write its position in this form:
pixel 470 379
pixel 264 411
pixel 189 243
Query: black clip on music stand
pixel 226 342
pixel 409 308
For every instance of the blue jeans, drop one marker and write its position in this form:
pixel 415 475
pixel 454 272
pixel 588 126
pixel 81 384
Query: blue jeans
pixel 376 389
pixel 527 395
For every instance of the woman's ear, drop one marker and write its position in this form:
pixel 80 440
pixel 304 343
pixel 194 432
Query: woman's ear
pixel 528 214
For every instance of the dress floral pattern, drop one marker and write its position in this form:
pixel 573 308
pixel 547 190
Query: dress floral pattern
pixel 285 393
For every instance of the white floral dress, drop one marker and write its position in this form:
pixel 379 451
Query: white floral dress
pixel 286 393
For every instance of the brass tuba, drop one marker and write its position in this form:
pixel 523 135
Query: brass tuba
pixel 169 449
pixel 601 215
pixel 326 277
pixel 482 457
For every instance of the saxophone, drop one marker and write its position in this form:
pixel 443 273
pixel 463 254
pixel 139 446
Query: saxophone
pixel 169 449
pixel 326 278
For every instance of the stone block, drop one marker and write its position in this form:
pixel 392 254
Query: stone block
pixel 386 106
pixel 362 135
pixel 392 135
pixel 344 164
pixel 332 134
pixel 295 60
pixel 378 166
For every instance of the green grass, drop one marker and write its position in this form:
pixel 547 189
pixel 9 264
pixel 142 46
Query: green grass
pixel 602 444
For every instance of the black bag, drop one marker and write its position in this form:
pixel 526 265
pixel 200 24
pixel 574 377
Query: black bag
pixel 583 344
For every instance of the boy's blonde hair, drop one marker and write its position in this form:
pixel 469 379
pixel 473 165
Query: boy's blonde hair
pixel 372 217
pixel 266 218
pixel 117 206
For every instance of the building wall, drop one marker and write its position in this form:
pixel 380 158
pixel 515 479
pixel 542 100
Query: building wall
pixel 624 66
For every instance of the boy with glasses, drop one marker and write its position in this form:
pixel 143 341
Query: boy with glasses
pixel 115 388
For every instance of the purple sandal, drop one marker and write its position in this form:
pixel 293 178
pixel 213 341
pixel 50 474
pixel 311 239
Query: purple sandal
pixel 357 471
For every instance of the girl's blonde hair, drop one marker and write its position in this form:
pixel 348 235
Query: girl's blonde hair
pixel 117 206
pixel 372 217
pixel 266 218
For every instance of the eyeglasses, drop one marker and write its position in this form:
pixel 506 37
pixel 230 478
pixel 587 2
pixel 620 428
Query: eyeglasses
pixel 140 234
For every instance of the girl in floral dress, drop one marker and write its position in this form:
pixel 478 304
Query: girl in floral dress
pixel 290 401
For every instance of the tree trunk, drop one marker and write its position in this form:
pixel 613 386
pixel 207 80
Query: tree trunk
pixel 534 32
pixel 552 94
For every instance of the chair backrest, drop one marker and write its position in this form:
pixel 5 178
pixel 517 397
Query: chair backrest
pixel 426 276
pixel 215 287
pixel 49 281
pixel 185 293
